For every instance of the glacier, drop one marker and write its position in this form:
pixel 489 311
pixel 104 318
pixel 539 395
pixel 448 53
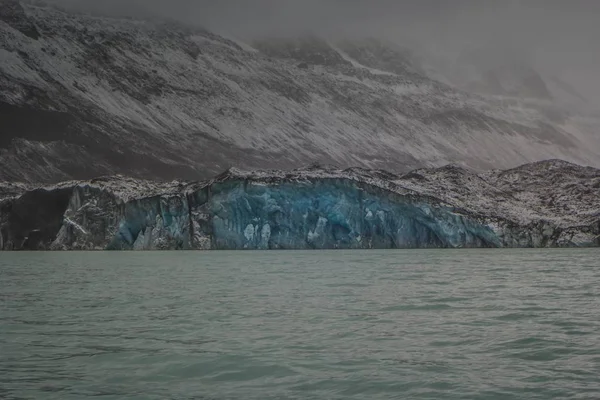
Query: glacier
pixel 329 214
pixel 316 208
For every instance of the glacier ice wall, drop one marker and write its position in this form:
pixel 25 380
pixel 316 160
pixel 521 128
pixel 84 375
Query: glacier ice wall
pixel 272 211
pixel 322 214
pixel 154 223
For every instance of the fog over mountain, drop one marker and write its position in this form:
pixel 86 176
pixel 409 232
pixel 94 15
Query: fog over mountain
pixel 559 37
pixel 187 89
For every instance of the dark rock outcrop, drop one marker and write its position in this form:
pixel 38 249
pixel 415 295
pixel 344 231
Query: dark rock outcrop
pixel 13 14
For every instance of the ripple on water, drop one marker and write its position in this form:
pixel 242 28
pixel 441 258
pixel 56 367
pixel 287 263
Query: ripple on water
pixel 417 307
pixel 470 324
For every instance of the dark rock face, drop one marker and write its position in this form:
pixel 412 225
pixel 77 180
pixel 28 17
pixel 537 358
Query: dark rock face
pixel 13 14
pixel 32 221
pixel 313 208
pixel 27 122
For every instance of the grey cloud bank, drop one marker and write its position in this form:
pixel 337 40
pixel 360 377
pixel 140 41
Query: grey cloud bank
pixel 559 36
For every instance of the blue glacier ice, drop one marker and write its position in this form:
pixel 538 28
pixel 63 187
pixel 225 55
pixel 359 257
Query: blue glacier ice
pixel 316 214
pixel 330 214
pixel 155 222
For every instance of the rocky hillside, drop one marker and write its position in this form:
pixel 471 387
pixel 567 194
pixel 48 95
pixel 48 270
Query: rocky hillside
pixel 546 204
pixel 82 96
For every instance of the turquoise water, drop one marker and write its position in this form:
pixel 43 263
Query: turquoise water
pixel 439 324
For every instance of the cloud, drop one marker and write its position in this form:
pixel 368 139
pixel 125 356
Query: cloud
pixel 559 35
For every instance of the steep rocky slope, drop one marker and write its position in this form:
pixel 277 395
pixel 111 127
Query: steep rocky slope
pixel 546 204
pixel 82 96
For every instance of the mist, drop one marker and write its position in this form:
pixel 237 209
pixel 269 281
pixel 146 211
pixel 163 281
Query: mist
pixel 558 37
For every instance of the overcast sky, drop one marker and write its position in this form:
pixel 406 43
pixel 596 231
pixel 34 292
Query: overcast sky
pixel 562 36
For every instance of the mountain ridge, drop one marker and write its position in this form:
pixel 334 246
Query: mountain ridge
pixel 157 100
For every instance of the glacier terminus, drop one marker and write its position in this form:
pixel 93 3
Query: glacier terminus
pixel 544 204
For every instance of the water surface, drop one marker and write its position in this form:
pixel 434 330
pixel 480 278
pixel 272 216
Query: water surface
pixel 443 324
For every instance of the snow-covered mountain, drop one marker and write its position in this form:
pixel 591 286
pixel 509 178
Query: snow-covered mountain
pixel 83 95
pixel 544 204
